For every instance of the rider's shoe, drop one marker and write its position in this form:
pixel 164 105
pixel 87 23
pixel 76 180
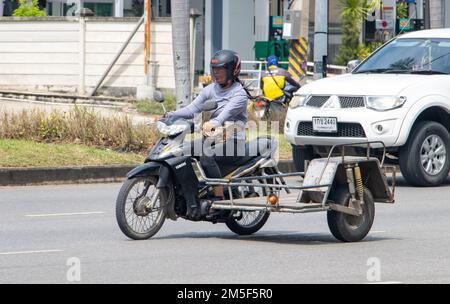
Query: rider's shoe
pixel 194 213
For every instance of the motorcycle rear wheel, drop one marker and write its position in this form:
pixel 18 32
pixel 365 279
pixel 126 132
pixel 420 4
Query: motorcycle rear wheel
pixel 250 221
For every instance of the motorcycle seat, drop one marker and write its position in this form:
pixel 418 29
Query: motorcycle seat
pixel 261 147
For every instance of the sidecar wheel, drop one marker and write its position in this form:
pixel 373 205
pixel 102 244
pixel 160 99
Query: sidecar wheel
pixel 349 228
pixel 135 221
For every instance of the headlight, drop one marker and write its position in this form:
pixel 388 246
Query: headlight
pixel 384 103
pixel 172 129
pixel 297 101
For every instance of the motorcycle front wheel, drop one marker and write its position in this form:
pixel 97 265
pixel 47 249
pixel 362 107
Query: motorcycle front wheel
pixel 138 218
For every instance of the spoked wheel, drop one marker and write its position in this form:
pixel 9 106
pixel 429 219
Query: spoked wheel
pixel 346 227
pixel 248 222
pixel 138 216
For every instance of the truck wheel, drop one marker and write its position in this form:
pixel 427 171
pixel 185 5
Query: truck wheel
pixel 424 159
pixel 346 227
pixel 300 154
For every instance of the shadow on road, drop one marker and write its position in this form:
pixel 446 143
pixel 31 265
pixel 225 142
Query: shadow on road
pixel 401 182
pixel 280 237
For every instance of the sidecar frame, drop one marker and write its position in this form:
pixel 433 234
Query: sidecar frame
pixel 322 177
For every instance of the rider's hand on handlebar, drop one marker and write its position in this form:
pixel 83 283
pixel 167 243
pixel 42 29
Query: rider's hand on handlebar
pixel 208 128
pixel 288 94
pixel 167 118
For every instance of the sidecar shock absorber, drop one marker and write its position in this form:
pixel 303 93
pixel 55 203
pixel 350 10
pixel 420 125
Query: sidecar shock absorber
pixel 350 181
pixel 359 182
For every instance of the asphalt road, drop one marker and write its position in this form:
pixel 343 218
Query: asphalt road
pixel 47 232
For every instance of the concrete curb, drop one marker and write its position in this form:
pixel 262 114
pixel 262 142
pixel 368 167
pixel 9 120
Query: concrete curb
pixel 74 175
pixel 56 98
pixel 39 176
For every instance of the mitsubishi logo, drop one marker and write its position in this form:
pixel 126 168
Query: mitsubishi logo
pixel 332 103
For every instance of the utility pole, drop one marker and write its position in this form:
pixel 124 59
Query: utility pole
pixel 426 14
pixel 320 38
pixel 295 29
pixel 146 90
pixel 181 51
pixel 2 4
pixel 147 39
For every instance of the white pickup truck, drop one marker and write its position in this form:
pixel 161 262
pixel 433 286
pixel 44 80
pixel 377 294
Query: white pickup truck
pixel 399 95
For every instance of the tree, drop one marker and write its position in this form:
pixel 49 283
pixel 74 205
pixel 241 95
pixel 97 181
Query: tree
pixel 352 16
pixel 181 51
pixel 28 8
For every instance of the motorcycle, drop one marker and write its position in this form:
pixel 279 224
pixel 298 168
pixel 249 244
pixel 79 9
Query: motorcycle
pixel 170 185
pixel 268 109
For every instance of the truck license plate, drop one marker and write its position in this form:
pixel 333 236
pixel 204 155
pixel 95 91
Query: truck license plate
pixel 324 124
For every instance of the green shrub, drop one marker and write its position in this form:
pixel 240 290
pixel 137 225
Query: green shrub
pixel 365 50
pixel 353 12
pixel 28 8
pixel 79 125
pixel 153 107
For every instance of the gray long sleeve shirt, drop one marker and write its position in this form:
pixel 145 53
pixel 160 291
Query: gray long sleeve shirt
pixel 231 105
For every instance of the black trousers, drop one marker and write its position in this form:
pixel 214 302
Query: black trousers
pixel 214 154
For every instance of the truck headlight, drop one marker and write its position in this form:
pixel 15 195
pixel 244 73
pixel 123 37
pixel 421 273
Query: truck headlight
pixel 298 101
pixel 385 103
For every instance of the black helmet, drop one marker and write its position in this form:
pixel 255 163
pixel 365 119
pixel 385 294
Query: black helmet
pixel 229 60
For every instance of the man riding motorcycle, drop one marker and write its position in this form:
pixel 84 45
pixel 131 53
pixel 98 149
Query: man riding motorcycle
pixel 277 82
pixel 231 98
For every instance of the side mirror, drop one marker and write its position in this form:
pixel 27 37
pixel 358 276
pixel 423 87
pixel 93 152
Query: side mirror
pixel 210 105
pixel 352 64
pixel 158 96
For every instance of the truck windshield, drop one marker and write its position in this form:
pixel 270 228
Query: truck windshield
pixel 410 56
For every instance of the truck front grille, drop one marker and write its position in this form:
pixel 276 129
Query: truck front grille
pixel 351 101
pixel 317 101
pixel 345 129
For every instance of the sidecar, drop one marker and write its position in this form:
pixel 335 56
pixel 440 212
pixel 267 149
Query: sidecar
pixel 346 187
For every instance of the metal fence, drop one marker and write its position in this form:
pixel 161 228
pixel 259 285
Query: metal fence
pixel 251 72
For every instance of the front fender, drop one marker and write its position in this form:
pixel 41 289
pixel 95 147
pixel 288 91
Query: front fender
pixel 152 169
pixel 415 110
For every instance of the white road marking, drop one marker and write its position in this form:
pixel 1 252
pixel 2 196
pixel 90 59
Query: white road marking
pixel 31 252
pixel 64 214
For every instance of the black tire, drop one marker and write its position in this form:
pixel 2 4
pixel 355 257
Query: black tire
pixel 349 228
pixel 121 212
pixel 300 154
pixel 239 229
pixel 410 160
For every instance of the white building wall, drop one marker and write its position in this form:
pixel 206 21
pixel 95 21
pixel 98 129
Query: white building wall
pixel 33 53
pixel 45 54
